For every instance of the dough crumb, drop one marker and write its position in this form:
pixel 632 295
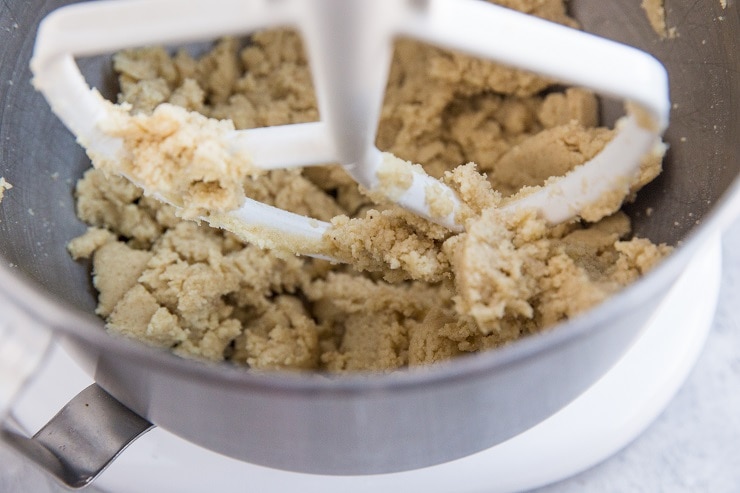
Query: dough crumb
pixel 396 175
pixel 84 246
pixel 4 185
pixel 116 269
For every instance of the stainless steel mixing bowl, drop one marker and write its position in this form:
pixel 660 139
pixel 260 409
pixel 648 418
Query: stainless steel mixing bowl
pixel 368 423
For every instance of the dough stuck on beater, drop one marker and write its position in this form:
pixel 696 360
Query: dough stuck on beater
pixel 180 155
pixel 414 293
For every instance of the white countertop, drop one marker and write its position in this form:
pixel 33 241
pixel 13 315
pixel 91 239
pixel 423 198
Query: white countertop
pixel 694 446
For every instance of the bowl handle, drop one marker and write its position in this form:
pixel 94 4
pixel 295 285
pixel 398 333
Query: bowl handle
pixel 86 435
pixel 77 444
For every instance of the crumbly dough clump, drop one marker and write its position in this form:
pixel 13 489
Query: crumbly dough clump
pixel 414 293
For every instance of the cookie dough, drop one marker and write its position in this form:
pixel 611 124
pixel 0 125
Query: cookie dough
pixel 412 293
